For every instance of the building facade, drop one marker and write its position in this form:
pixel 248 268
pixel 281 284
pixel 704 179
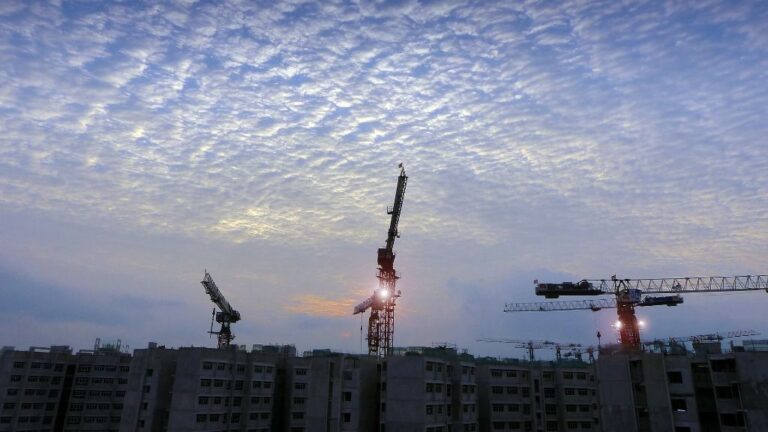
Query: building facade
pixel 704 390
pixel 52 389
pixel 537 396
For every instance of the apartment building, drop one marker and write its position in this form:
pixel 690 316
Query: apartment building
pixel 537 396
pixel 203 389
pixel 428 389
pixel 31 386
pixel 45 389
pixel 681 390
pixel 331 392
pixel 96 390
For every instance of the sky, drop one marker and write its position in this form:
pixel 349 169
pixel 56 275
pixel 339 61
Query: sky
pixel 143 143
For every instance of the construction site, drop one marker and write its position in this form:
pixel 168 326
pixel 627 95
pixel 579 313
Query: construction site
pixel 702 383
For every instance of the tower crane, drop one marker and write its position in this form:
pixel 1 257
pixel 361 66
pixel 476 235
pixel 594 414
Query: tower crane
pixel 381 323
pixel 703 338
pixel 532 345
pixel 226 315
pixel 631 293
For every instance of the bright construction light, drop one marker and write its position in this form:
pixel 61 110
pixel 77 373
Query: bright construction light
pixel 618 325
pixel 384 294
pixel 641 323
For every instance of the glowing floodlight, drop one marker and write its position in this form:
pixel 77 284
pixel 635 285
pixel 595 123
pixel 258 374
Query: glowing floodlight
pixel 384 294
pixel 618 325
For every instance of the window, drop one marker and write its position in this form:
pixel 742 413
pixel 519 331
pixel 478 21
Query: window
pixel 570 391
pixel 731 419
pixel 202 400
pixel 429 409
pixel 549 392
pixel 297 415
pixel 550 409
pixel 221 366
pixel 347 417
pixel 205 382
pixel 300 386
pixel 213 417
pixel 84 368
pixel 301 371
pixel 567 375
pixel 581 376
pixel 675 377
pixel 679 405
pixel 726 392
pixel 207 365
pixel 496 373
pixel 347 396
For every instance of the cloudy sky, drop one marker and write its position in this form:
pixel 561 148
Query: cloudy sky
pixel 144 142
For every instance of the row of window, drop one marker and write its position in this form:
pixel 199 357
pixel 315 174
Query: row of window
pixel 509 373
pixel 27 419
pixel 38 378
pixel 8 406
pixel 58 367
pixel 236 400
pixel 550 426
pixel 226 418
pixel 79 394
pixel 73 420
pixel 511 390
pixel 79 406
pixel 99 380
pixel 240 368
pixel 33 392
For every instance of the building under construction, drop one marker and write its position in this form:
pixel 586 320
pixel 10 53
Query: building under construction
pixel 667 387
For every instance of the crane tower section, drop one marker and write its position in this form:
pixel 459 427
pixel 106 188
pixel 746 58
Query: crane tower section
pixel 381 323
pixel 226 315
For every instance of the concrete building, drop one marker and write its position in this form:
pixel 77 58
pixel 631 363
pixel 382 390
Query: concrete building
pixel 428 389
pixel 537 396
pixel 328 391
pixel 681 390
pixel 203 389
pixel 45 389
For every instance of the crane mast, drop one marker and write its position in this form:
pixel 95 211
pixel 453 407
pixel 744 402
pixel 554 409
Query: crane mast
pixel 226 315
pixel 629 294
pixel 381 322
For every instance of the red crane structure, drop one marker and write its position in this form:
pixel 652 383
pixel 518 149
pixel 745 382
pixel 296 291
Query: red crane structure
pixel 381 323
pixel 631 293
